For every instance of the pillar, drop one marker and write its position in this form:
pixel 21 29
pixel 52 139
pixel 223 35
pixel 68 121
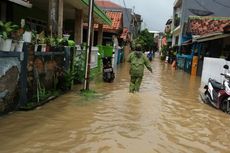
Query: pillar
pixel 60 18
pixel 100 34
pixel 78 36
pixel 53 17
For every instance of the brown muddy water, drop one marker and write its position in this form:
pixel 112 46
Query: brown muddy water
pixel 167 116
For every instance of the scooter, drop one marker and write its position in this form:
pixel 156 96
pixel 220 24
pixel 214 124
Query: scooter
pixel 217 94
pixel 108 74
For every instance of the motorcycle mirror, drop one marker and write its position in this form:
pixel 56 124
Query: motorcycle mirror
pixel 226 67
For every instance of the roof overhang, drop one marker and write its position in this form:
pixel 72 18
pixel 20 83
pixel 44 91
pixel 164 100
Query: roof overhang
pixel 99 15
pixel 188 42
pixel 69 10
pixel 209 37
pixel 176 31
pixel 22 3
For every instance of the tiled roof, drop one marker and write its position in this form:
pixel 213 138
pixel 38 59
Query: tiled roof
pixel 207 25
pixel 117 22
pixel 107 4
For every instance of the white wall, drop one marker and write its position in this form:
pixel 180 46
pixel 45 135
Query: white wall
pixel 212 68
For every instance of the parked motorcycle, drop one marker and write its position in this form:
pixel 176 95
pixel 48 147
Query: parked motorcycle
pixel 217 94
pixel 108 74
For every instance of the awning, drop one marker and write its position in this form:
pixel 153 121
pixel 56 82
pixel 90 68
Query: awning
pixel 22 3
pixel 211 37
pixel 188 42
pixel 69 10
pixel 99 15
pixel 176 31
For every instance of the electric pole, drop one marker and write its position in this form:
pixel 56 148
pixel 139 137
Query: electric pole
pixel 89 45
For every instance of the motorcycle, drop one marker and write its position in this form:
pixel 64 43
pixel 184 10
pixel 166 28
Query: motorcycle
pixel 217 94
pixel 108 74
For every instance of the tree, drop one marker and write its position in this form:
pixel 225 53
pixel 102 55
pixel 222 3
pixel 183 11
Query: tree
pixel 146 40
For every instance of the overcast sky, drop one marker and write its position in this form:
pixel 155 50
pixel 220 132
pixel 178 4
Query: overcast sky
pixel 155 13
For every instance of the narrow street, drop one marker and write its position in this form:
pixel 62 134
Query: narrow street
pixel 167 116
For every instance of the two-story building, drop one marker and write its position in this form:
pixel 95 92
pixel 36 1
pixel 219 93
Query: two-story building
pixel 185 8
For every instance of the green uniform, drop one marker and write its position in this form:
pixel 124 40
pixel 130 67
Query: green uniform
pixel 137 62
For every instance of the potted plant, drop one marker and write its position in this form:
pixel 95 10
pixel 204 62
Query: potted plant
pixel 41 42
pixel 18 39
pixel 27 36
pixel 5 31
pixel 54 44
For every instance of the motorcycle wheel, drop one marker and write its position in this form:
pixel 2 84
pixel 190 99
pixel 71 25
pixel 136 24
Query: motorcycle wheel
pixel 207 96
pixel 225 106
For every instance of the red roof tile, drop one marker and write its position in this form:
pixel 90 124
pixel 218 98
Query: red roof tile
pixel 117 22
pixel 107 4
pixel 207 25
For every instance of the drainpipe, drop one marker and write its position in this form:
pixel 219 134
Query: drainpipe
pixel 89 45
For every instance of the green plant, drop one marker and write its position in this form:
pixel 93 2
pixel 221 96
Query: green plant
pixel 41 38
pixel 145 39
pixel 6 28
pixel 68 79
pixel 34 37
pixel 79 66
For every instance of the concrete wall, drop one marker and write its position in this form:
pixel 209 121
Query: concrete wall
pixel 9 83
pixel 212 68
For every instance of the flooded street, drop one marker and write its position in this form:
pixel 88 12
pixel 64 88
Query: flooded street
pixel 167 116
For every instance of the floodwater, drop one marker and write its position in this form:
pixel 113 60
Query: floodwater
pixel 167 116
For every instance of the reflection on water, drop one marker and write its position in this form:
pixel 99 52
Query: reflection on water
pixel 165 117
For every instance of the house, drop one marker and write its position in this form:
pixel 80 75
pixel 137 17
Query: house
pixel 184 8
pixel 25 69
pixel 68 15
pixel 131 20
pixel 115 28
pixel 211 38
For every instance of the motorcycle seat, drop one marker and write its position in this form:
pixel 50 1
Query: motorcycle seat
pixel 216 85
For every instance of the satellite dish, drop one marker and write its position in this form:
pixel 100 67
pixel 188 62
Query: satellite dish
pixel 201 12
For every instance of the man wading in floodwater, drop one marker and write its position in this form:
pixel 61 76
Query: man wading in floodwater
pixel 137 61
